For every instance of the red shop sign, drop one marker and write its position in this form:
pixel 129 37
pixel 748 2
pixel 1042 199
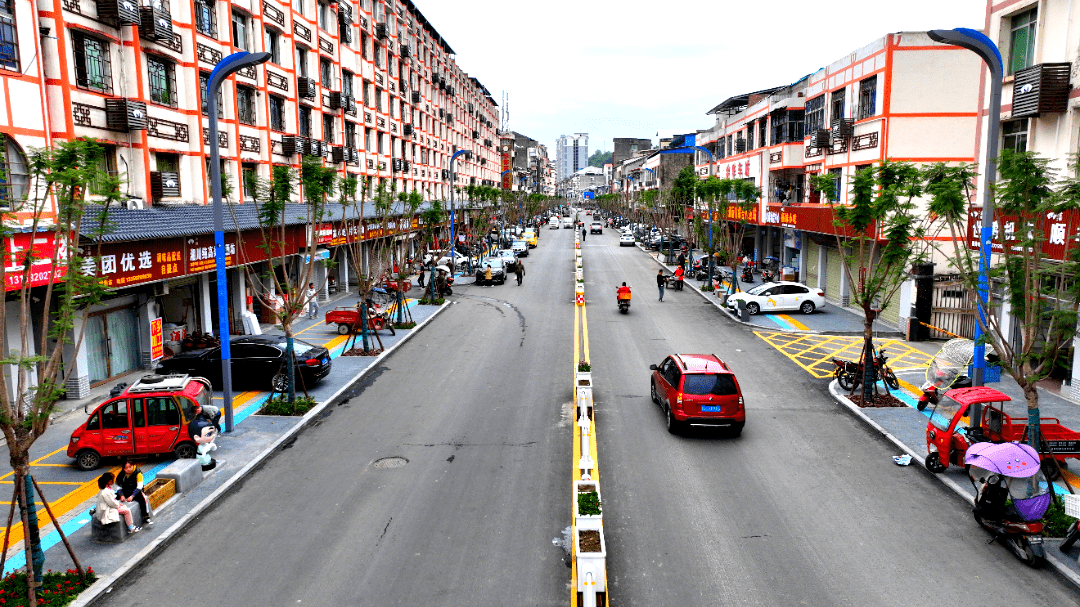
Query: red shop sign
pixel 130 263
pixel 43 245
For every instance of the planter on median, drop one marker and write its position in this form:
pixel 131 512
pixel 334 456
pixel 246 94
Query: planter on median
pixel 591 550
pixel 587 521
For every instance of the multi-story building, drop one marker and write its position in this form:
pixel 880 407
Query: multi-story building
pixel 571 155
pixel 901 97
pixel 627 147
pixel 370 86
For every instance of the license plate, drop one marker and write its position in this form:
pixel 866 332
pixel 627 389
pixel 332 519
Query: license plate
pixel 711 408
pixel 325 360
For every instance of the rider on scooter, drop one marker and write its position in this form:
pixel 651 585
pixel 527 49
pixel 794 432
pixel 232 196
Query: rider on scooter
pixel 620 291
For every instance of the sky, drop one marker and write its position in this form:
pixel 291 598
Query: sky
pixel 632 69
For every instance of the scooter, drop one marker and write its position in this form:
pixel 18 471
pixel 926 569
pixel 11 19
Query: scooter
pixel 747 274
pixel 767 275
pixel 624 302
pixel 1001 472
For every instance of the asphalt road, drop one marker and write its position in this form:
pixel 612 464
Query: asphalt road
pixel 806 508
pixel 479 405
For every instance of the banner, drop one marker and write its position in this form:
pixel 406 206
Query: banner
pixel 157 344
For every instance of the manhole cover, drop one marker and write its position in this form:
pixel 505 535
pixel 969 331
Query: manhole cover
pixel 390 462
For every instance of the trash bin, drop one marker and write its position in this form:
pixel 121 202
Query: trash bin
pixel 744 314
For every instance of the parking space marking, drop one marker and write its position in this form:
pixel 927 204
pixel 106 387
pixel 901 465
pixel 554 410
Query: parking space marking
pixel 814 353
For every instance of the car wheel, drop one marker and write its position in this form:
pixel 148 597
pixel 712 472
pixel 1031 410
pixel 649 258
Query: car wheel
pixel 753 308
pixel 673 425
pixel 807 307
pixel 344 329
pixel 933 463
pixel 279 382
pixel 185 451
pixel 87 460
pixel 652 392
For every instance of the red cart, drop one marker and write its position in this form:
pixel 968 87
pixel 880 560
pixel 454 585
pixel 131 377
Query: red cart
pixel 348 320
pixel 951 430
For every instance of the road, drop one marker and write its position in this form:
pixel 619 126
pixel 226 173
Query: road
pixel 805 508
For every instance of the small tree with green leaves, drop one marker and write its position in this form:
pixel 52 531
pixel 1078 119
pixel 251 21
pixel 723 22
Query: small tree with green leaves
pixel 1032 211
pixel 886 237
pixel 64 232
pixel 723 198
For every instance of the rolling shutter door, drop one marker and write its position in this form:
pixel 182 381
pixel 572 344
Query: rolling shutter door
pixel 834 271
pixel 811 258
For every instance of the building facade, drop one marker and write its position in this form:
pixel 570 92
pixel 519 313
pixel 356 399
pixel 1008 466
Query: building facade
pixel 571 155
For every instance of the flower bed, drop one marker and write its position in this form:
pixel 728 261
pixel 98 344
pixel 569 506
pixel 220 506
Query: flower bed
pixel 56 589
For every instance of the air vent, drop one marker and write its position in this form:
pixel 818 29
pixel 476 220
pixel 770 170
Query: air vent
pixel 1041 89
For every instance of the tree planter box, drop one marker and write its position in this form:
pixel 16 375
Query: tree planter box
pixel 159 492
pixel 588 521
pixel 592 558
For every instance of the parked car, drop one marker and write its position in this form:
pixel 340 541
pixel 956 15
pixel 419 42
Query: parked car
pixel 258 361
pixel 697 390
pixel 498 271
pixel 596 228
pixel 531 237
pixel 776 296
pixel 147 418
pixel 553 223
pixel 509 257
pixel 626 240
pixel 520 248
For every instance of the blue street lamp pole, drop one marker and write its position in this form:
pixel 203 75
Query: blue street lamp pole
pixel 982 46
pixel 224 69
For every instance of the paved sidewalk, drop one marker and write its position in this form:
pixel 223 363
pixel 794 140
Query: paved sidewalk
pixel 254 439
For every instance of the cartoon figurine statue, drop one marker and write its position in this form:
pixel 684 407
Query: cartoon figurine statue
pixel 203 432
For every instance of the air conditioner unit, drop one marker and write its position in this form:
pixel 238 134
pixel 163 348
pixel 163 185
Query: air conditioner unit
pixel 416 96
pixel 843 129
pixel 121 12
pixel 406 51
pixel 380 31
pixel 161 289
pixel 335 100
pixel 820 139
pixel 125 115
pixel 306 87
pixel 1041 89
pixel 337 154
pixel 164 184
pixel 155 23
pixel 407 129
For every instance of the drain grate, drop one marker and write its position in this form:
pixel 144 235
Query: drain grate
pixel 390 462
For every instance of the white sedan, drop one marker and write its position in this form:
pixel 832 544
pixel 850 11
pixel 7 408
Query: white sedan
pixel 777 296
pixel 626 240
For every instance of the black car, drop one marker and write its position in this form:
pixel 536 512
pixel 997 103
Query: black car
pixel 498 271
pixel 258 361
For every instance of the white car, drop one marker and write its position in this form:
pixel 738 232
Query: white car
pixel 777 296
pixel 626 240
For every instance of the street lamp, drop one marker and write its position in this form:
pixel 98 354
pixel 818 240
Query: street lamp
pixel 985 48
pixel 453 237
pixel 225 68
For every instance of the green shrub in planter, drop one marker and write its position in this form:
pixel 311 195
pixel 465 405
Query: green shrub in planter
pixel 281 406
pixel 1056 521
pixel 584 367
pixel 588 503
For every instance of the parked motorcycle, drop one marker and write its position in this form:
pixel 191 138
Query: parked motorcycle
pixel 1010 472
pixel 747 274
pixel 845 372
pixel 768 275
pixel 851 373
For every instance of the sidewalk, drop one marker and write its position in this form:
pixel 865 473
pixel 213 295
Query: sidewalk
pixel 253 440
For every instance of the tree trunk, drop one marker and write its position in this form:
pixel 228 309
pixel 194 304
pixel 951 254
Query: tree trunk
pixel 33 534
pixel 364 325
pixel 290 363
pixel 869 386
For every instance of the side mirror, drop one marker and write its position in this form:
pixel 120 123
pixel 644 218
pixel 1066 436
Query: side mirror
pixel 652 367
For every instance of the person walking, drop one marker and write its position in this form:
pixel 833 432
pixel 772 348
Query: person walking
pixel 313 300
pixel 682 261
pixel 583 233
pixel 660 283
pixel 519 270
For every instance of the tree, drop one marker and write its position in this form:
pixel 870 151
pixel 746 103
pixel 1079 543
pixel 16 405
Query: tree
pixel 58 180
pixel 272 199
pixel 599 158
pixel 887 235
pixel 1032 213
pixel 723 198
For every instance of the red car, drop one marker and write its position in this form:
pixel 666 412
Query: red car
pixel 698 390
pixel 148 417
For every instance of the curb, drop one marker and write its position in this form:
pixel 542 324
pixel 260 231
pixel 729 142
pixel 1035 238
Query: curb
pixel 104 584
pixel 1051 558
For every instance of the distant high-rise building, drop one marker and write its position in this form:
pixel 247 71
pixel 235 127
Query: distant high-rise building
pixel 571 155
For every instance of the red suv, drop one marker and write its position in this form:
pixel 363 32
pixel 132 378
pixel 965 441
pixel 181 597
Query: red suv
pixel 148 417
pixel 697 390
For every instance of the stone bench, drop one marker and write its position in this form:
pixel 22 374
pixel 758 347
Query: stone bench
pixel 186 472
pixel 117 532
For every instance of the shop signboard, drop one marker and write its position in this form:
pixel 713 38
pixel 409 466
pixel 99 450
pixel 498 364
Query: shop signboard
pixel 43 245
pixel 157 343
pixel 124 264
pixel 808 218
pixel 507 178
pixel 1061 230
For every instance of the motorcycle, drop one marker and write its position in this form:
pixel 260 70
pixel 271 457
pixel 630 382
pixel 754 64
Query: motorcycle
pixel 845 372
pixel 1001 472
pixel 849 374
pixel 767 275
pixel 623 299
pixel 747 274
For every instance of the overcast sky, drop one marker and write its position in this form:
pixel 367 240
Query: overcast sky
pixel 630 68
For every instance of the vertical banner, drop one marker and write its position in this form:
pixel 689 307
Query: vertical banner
pixel 157 345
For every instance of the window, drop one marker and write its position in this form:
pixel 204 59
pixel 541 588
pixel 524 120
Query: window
pixel 299 6
pixel 245 104
pixel 168 162
pixel 92 64
pixel 346 83
pixel 9 42
pixel 369 140
pixel 365 50
pixel 115 416
pixel 326 72
pixel 350 134
pixel 381 140
pixel 14 177
pixel 106 168
pixel 378 99
pixel 273 45
pixel 868 97
pixel 277 113
pixel 206 18
pixel 1014 135
pixel 326 18
pixel 378 55
pixel 241 38
pixel 250 173
pixel 1022 41
pixel 837 175
pixel 367 93
pixel 328 128
pixel 204 78
pixel 301 61
pixel 787 126
pixel 305 121
pixel 815 113
pixel 749 136
pixel 762 129
pixel 162 81
pixel 839 97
